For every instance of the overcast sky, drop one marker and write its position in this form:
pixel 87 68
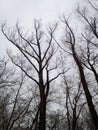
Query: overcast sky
pixel 27 10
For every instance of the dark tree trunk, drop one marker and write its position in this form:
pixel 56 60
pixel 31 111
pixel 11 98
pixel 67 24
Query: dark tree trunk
pixel 86 90
pixel 42 118
pixel 74 124
pixel 42 109
pixel 74 119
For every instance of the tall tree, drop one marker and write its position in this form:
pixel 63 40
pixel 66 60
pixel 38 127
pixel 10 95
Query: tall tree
pixel 90 36
pixel 70 41
pixel 38 50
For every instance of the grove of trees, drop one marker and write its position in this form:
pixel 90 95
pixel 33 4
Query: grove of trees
pixel 50 82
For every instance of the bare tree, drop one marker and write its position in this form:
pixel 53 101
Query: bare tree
pixel 38 51
pixel 70 41
pixel 16 99
pixel 74 105
pixel 90 37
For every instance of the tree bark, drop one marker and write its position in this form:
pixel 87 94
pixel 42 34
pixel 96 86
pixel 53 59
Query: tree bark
pixel 86 90
pixel 42 109
pixel 42 123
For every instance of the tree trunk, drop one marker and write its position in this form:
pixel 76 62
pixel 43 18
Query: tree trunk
pixel 42 118
pixel 74 122
pixel 42 109
pixel 87 93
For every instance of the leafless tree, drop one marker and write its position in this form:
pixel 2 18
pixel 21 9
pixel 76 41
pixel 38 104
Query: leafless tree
pixel 74 105
pixel 90 37
pixel 38 50
pixel 70 41
pixel 16 100
pixel 6 82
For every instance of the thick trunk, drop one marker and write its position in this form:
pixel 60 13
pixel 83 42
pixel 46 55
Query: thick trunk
pixel 74 124
pixel 42 118
pixel 42 109
pixel 87 93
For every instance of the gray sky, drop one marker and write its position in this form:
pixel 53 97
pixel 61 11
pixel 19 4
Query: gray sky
pixel 27 10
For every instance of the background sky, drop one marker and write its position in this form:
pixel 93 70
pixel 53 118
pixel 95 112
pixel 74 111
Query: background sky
pixel 26 11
